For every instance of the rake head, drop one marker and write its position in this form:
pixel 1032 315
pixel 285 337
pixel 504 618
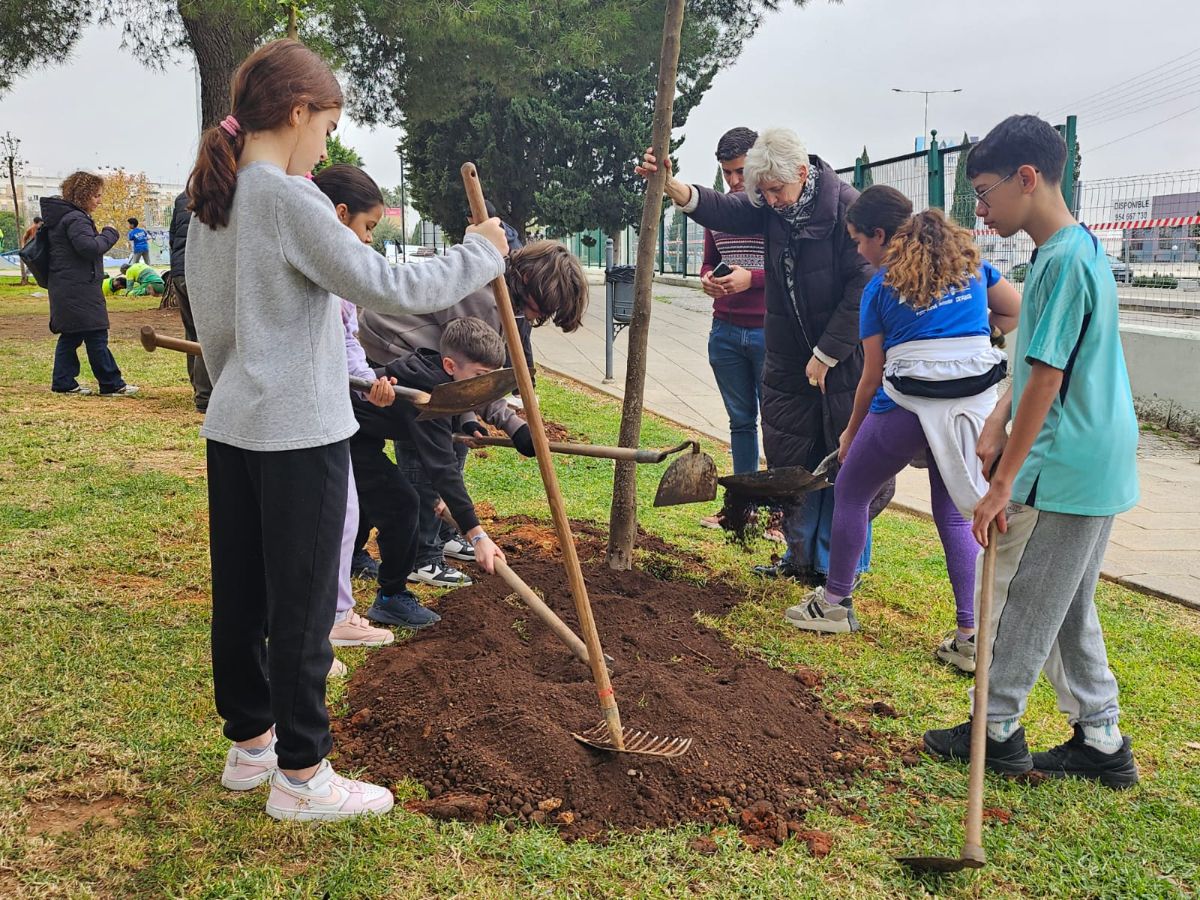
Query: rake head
pixel 635 741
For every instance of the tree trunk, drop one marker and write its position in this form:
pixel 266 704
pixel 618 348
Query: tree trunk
pixel 622 527
pixel 220 43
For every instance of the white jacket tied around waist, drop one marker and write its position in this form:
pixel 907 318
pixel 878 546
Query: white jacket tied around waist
pixel 952 425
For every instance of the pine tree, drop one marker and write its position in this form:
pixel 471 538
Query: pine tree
pixel 868 179
pixel 962 209
pixel 719 181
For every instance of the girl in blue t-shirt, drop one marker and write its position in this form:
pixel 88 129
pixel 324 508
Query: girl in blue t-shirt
pixel 928 382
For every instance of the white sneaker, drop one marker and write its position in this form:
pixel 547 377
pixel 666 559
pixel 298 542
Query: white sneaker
pixel 440 576
pixel 326 796
pixel 127 391
pixel 459 547
pixel 246 771
pixel 812 614
pixel 338 669
pixel 960 654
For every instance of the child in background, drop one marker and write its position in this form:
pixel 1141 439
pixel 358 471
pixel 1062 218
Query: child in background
pixel 142 281
pixel 928 383
pixel 358 202
pixel 139 237
pixel 279 417
pixel 1068 468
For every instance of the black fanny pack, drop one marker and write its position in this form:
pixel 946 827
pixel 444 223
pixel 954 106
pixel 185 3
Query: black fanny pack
pixel 952 389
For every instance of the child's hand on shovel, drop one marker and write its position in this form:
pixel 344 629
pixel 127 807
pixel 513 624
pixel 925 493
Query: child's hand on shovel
pixel 381 392
pixel 486 551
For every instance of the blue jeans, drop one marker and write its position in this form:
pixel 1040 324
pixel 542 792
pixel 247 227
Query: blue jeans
pixel 736 356
pixel 100 358
pixel 808 527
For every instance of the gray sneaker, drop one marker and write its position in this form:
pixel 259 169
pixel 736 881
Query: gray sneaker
pixel 79 390
pixel 126 391
pixel 812 614
pixel 960 654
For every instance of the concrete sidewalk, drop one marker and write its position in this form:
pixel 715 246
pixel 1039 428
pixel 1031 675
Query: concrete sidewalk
pixel 1155 547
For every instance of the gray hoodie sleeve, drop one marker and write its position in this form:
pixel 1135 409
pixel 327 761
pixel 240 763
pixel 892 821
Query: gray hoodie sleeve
pixel 327 253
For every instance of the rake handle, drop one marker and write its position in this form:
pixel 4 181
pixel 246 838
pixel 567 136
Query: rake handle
pixel 973 843
pixel 541 445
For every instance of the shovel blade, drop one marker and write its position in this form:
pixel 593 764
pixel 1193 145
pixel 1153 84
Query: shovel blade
pixel 456 397
pixel 692 478
pixel 939 863
pixel 786 484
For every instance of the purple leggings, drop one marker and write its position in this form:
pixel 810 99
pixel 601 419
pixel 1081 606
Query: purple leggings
pixel 884 445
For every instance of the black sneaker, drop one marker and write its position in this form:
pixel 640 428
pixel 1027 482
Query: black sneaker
pixel 1009 757
pixel 785 570
pixel 363 565
pixel 403 609
pixel 1077 759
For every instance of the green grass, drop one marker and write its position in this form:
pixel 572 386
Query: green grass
pixel 106 695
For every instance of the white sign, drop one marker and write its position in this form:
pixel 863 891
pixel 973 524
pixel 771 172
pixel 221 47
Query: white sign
pixel 1131 210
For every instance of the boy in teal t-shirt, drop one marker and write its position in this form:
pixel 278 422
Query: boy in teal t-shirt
pixel 1058 480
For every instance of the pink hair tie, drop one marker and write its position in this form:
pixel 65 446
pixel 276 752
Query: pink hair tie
pixel 230 126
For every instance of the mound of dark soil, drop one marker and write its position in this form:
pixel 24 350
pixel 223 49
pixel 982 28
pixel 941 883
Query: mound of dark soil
pixel 480 708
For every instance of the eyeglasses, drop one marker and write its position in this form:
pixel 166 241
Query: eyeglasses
pixel 979 197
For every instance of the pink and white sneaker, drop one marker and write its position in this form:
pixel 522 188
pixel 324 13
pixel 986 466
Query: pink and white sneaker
pixel 326 796
pixel 246 771
pixel 356 631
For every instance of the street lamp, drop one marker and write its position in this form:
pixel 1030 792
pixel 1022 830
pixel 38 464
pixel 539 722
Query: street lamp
pixel 403 204
pixel 927 93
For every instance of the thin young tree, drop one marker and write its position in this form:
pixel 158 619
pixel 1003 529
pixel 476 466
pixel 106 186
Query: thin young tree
pixel 623 514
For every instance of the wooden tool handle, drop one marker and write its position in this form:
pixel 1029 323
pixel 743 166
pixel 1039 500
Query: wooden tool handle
pixel 566 541
pixel 151 340
pixel 973 845
pixel 539 608
pixel 412 395
pixel 593 450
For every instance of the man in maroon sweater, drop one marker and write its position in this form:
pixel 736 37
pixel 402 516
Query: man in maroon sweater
pixel 735 344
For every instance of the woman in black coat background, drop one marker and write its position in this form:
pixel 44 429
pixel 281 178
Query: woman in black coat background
pixel 78 313
pixel 814 281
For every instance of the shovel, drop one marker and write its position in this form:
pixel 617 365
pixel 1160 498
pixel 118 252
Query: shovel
pixel 782 485
pixel 450 399
pixel 690 479
pixel 609 734
pixel 972 855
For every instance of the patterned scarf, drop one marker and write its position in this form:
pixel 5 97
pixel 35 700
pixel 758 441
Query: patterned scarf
pixel 797 216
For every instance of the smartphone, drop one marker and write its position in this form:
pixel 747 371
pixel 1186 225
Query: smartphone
pixel 721 270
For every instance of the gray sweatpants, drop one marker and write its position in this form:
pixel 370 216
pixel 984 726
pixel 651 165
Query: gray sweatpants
pixel 1044 616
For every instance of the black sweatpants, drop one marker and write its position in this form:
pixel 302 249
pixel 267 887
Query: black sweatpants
pixel 389 502
pixel 275 534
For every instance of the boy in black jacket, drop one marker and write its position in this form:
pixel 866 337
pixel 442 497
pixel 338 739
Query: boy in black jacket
pixel 469 347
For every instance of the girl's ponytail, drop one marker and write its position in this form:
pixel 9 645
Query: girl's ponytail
pixel 214 178
pixel 268 85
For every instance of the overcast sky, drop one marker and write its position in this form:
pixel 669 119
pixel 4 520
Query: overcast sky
pixel 826 71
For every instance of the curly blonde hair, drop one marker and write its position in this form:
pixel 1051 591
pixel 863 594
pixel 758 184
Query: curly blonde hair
pixel 80 187
pixel 927 256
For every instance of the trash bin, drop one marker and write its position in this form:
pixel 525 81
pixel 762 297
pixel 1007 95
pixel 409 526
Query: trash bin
pixel 620 282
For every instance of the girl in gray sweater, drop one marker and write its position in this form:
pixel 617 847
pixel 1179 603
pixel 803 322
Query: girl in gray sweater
pixel 265 259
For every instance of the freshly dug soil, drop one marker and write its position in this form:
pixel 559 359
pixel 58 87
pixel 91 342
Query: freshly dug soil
pixel 480 708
